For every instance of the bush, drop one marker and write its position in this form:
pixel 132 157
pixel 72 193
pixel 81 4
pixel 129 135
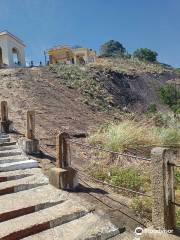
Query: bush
pixel 128 178
pixel 112 48
pixel 124 177
pixel 145 54
pixel 152 109
pixel 143 206
pixel 177 179
pixel 170 96
pixel 178 218
pixel 128 134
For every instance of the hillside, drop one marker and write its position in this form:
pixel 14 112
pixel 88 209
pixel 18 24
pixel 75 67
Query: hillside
pixel 77 99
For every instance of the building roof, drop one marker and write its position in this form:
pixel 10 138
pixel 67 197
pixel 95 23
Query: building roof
pixel 12 36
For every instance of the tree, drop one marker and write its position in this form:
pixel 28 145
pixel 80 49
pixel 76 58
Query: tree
pixel 146 54
pixel 112 48
pixel 170 96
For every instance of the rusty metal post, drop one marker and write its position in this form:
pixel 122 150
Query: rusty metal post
pixel 163 212
pixel 62 150
pixel 4 117
pixel 30 125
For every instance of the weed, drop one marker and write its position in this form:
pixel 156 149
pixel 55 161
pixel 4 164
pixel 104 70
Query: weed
pixel 143 206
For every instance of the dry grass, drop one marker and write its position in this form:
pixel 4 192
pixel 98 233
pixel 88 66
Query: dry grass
pixel 128 134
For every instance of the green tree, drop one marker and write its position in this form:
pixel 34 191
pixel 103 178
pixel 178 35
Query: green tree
pixel 146 54
pixel 112 48
pixel 170 96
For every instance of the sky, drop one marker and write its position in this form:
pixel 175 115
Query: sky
pixel 42 24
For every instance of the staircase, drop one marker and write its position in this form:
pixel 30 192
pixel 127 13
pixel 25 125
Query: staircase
pixel 30 208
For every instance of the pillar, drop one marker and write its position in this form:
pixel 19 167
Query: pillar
pixel 163 212
pixel 5 123
pixel 30 143
pixel 63 176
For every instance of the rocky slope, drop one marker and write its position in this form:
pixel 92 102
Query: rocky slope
pixel 77 99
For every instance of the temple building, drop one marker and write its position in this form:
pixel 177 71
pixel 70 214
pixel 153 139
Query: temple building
pixel 70 55
pixel 11 51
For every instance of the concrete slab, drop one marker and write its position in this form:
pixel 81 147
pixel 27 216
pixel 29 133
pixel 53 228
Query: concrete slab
pixel 4 140
pixel 13 152
pixel 6 148
pixel 4 167
pixel 10 159
pixel 39 221
pixel 32 171
pixel 20 203
pixel 23 184
pixel 90 226
pixel 4 135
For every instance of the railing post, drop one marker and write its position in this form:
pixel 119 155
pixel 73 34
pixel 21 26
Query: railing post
pixel 63 176
pixel 30 125
pixel 61 150
pixel 163 212
pixel 4 117
pixel 30 143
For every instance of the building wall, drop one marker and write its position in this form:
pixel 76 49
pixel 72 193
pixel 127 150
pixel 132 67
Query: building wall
pixel 7 43
pixel 70 55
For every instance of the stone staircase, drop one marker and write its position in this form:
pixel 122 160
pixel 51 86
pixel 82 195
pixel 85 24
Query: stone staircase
pixel 30 208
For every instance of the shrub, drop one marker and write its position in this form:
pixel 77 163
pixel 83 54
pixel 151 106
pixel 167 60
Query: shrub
pixel 127 134
pixel 112 48
pixel 170 96
pixel 145 54
pixel 178 218
pixel 152 109
pixel 177 179
pixel 128 178
pixel 143 206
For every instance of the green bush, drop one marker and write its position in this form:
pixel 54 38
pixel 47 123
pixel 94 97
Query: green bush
pixel 112 48
pixel 143 206
pixel 128 178
pixel 170 96
pixel 178 218
pixel 131 134
pixel 177 179
pixel 152 109
pixel 145 54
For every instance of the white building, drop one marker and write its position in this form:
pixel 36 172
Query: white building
pixel 11 51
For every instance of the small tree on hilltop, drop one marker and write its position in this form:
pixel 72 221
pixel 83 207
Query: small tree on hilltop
pixel 146 54
pixel 170 96
pixel 112 48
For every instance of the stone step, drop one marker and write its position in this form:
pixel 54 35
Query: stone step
pixel 31 172
pixel 13 152
pixel 4 135
pixel 8 148
pixel 87 227
pixel 18 174
pixel 4 167
pixel 45 219
pixel 10 159
pixel 4 140
pixel 29 201
pixel 8 144
pixel 23 184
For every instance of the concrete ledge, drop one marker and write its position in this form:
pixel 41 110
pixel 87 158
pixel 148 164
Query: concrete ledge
pixel 65 179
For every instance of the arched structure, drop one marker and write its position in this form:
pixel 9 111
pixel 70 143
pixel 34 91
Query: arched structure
pixel 11 50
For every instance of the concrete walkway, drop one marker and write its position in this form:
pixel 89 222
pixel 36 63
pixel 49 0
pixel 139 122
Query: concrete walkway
pixel 30 208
